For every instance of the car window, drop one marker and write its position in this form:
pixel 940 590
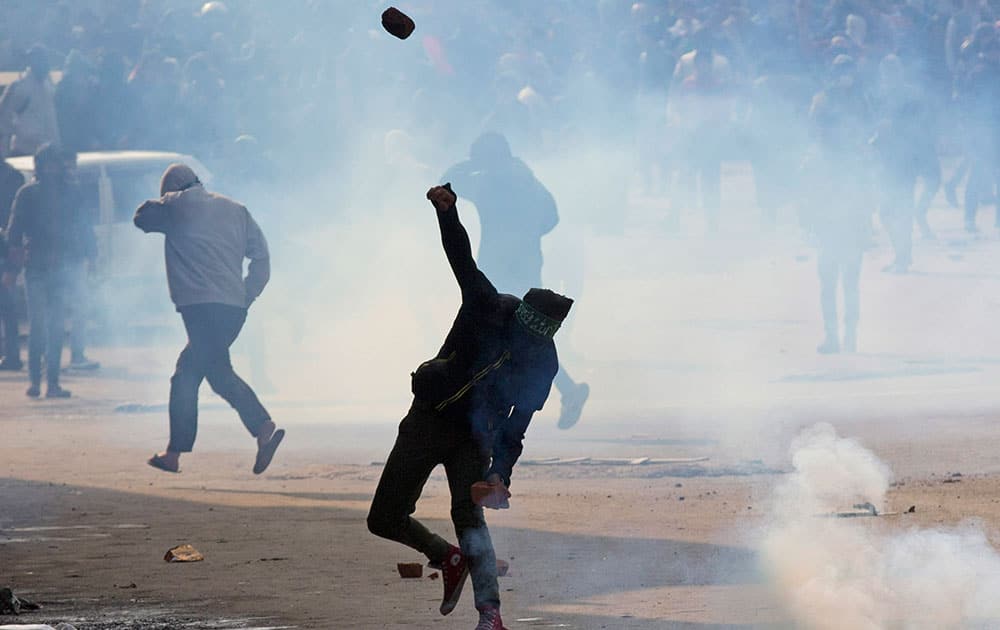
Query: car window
pixel 132 185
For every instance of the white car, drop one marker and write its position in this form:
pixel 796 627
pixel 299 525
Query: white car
pixel 131 279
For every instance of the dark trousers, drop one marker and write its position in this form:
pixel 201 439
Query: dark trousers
pixel 840 266
pixel 982 173
pixel 78 300
pixel 425 440
pixel 46 311
pixel 211 329
pixel 930 173
pixel 11 348
pixel 897 217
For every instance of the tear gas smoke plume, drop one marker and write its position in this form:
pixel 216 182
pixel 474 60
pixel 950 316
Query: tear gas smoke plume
pixel 832 573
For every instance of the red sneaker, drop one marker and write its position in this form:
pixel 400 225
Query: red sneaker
pixel 454 571
pixel 489 619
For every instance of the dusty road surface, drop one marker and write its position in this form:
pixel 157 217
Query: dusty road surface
pixel 721 368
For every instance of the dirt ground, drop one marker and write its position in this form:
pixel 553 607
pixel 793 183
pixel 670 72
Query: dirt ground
pixel 84 523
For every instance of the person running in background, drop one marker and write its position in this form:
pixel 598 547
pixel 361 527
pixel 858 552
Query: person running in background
pixel 207 238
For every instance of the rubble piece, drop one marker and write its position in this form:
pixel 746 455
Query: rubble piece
pixel 481 491
pixel 397 23
pixel 612 461
pixel 135 407
pixel 553 461
pixel 183 553
pixel 410 569
pixel 858 514
pixel 433 576
pixel 676 460
pixel 489 495
pixel 867 506
pixel 912 509
pixel 11 604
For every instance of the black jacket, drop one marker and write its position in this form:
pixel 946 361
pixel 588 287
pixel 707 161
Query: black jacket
pixel 48 221
pixel 491 372
pixel 11 181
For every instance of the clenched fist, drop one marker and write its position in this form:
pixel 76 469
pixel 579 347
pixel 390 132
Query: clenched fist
pixel 442 197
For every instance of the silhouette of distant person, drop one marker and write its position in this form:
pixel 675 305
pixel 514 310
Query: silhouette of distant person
pixel 978 89
pixel 840 206
pixel 28 109
pixel 76 103
pixel 515 212
pixel 905 146
pixel 47 233
pixel 700 108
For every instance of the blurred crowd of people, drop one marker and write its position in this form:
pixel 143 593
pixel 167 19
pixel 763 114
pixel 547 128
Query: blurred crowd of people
pixel 312 77
pixel 841 107
pixel 689 83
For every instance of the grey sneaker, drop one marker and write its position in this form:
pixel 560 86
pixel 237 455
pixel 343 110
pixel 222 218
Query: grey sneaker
pixel 83 363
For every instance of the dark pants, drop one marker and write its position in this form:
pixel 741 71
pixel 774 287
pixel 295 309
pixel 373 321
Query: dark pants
pixel 78 299
pixel 211 329
pixel 897 217
pixel 425 440
pixel 704 171
pixel 46 311
pixel 840 266
pixel 11 348
pixel 982 172
pixel 930 173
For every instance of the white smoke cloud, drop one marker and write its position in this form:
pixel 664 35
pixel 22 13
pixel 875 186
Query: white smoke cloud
pixel 835 573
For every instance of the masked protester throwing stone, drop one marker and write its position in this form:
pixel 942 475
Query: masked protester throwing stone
pixel 472 404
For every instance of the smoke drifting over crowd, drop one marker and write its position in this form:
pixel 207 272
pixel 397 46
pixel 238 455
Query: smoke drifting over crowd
pixel 763 211
pixel 764 128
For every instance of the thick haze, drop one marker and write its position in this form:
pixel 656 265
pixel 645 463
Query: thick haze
pixel 822 120
pixel 711 161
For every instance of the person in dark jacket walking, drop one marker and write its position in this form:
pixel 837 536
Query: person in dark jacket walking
pixel 11 181
pixel 207 238
pixel 515 211
pixel 46 233
pixel 472 405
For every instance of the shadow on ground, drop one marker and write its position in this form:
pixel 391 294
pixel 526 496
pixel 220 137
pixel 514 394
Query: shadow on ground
pixel 101 553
